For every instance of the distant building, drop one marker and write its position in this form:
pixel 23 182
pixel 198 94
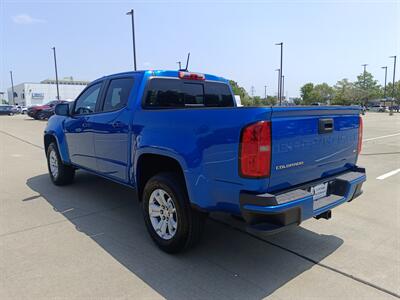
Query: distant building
pixel 30 93
pixel 2 98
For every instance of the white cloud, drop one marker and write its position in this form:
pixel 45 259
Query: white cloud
pixel 26 19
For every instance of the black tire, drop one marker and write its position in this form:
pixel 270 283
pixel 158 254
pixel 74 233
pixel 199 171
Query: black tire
pixel 190 222
pixel 40 115
pixel 65 174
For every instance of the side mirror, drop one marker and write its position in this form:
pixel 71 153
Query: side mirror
pixel 62 109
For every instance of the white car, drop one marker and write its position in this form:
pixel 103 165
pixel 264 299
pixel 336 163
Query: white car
pixel 21 109
pixel 378 108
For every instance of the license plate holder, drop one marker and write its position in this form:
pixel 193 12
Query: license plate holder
pixel 319 191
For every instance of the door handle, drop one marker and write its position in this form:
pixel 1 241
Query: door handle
pixel 117 124
pixel 325 126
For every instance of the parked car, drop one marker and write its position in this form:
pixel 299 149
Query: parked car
pixel 45 114
pixel 37 112
pixel 377 108
pixel 22 109
pixel 7 110
pixel 179 140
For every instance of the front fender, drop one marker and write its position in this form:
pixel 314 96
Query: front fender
pixel 55 128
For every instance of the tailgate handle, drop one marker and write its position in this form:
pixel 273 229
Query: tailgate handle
pixel 325 126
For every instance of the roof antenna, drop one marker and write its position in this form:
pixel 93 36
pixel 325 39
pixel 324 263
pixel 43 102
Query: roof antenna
pixel 187 62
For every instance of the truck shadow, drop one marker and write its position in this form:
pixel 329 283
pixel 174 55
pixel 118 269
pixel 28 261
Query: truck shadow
pixel 226 264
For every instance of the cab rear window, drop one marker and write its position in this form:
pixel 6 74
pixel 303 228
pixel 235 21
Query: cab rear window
pixel 175 93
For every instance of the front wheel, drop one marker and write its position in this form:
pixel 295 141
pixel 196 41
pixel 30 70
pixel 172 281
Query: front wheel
pixel 173 225
pixel 60 173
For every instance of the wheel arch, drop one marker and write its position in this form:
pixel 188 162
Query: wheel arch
pixel 149 164
pixel 50 137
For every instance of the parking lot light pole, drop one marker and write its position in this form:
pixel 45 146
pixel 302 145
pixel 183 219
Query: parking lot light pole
pixel 131 13
pixel 384 89
pixel 55 67
pixel 180 64
pixel 283 87
pixel 394 81
pixel 12 88
pixel 280 73
pixel 265 92
pixel 364 86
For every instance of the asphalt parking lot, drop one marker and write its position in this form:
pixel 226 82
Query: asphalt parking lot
pixel 88 240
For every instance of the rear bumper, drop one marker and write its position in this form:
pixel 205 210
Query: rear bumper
pixel 274 212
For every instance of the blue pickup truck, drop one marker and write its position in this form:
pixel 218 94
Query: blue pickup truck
pixel 179 140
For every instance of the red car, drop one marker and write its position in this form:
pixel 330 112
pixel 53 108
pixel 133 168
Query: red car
pixel 38 112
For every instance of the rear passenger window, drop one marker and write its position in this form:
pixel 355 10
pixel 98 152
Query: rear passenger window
pixel 193 94
pixel 164 93
pixel 117 94
pixel 218 95
pixel 174 93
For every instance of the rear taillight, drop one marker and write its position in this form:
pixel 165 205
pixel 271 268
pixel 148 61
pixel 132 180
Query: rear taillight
pixel 360 134
pixel 255 150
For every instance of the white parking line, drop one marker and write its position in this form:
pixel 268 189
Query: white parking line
pixel 388 174
pixel 381 137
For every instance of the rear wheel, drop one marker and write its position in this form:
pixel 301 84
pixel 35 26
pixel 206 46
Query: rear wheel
pixel 173 225
pixel 41 115
pixel 60 173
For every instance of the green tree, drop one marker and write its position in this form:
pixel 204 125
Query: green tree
pixel 297 101
pixel 344 93
pixel 238 90
pixel 368 87
pixel 306 92
pixel 256 101
pixel 389 90
pixel 271 100
pixel 322 93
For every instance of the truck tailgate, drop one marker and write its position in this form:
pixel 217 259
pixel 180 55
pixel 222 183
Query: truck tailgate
pixel 309 143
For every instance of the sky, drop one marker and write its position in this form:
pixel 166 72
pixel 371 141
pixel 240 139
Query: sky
pixel 324 41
